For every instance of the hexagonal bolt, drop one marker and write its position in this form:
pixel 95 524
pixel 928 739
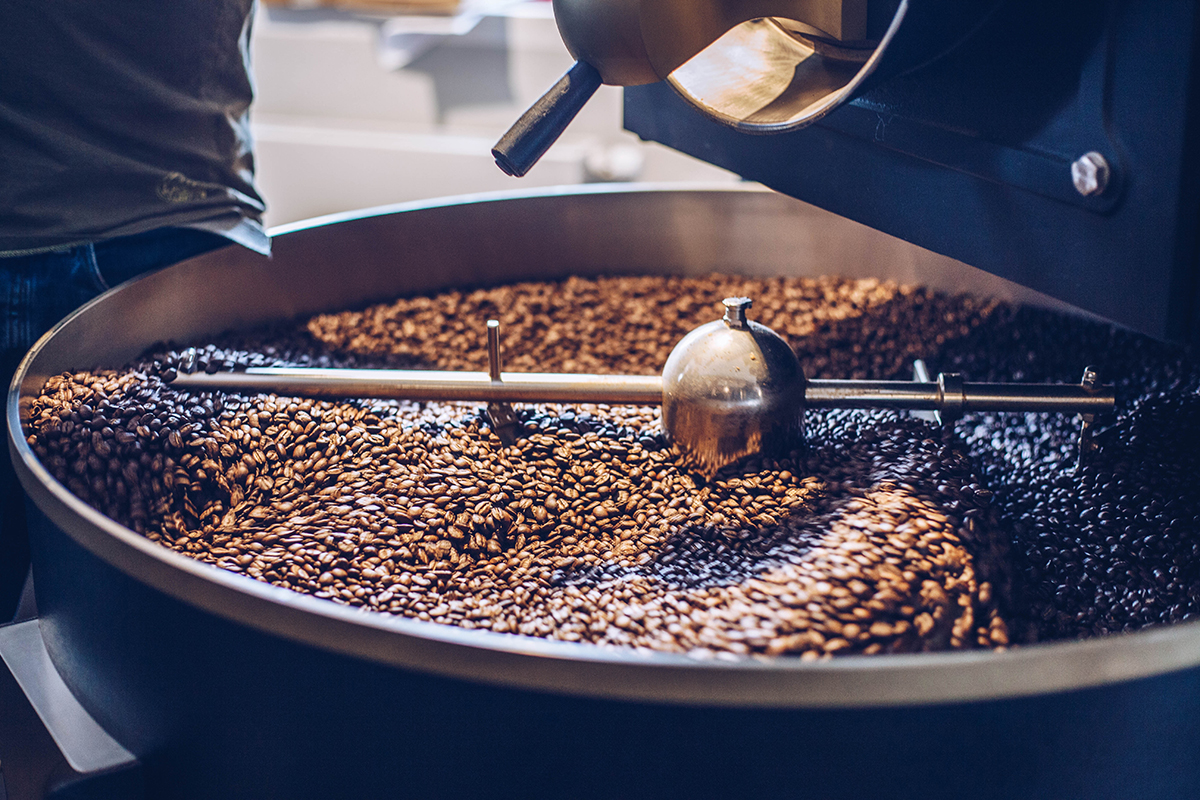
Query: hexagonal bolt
pixel 1090 173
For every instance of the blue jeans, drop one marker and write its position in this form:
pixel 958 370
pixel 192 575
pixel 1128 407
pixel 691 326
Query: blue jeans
pixel 36 291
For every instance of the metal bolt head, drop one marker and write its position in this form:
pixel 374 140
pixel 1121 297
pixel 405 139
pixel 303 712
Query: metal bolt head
pixel 735 312
pixel 1091 378
pixel 1090 173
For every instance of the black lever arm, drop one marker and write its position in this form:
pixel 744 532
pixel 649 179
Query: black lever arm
pixel 539 127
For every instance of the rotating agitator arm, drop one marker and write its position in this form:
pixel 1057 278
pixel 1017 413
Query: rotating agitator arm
pixel 730 389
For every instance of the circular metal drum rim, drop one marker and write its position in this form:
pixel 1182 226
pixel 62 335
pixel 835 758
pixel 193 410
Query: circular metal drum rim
pixel 582 669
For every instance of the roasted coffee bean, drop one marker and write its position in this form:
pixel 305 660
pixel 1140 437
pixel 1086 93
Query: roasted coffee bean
pixel 882 534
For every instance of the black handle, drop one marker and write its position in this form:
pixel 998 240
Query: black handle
pixel 539 127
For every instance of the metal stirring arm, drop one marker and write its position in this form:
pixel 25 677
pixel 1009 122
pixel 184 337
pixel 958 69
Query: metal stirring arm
pixel 948 395
pixel 405 384
pixel 952 397
pixel 730 389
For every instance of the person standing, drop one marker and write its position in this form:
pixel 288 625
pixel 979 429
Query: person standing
pixel 124 147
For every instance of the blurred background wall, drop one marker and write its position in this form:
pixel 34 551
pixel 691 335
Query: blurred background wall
pixel 373 102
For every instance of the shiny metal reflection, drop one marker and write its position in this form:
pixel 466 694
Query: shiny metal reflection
pixel 731 388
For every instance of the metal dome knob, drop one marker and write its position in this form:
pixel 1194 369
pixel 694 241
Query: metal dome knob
pixel 731 389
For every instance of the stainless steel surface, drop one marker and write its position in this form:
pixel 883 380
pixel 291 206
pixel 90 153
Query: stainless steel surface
pixel 946 393
pixel 639 390
pixel 730 389
pixel 351 260
pixel 513 387
pixel 493 346
pixel 951 396
pixel 942 395
pixel 1090 174
pixel 86 746
pixel 735 312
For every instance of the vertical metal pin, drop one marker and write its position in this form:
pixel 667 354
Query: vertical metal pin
pixel 493 346
pixel 921 375
pixel 501 415
pixel 187 361
pixel 1089 382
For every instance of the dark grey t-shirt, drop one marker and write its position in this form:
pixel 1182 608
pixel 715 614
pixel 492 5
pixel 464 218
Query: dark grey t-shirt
pixel 121 116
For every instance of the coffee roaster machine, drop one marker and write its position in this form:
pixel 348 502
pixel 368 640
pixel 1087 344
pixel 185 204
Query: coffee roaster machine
pixel 1050 145
pixel 1053 144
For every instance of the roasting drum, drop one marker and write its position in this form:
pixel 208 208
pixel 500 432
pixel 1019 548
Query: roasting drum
pixel 225 686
